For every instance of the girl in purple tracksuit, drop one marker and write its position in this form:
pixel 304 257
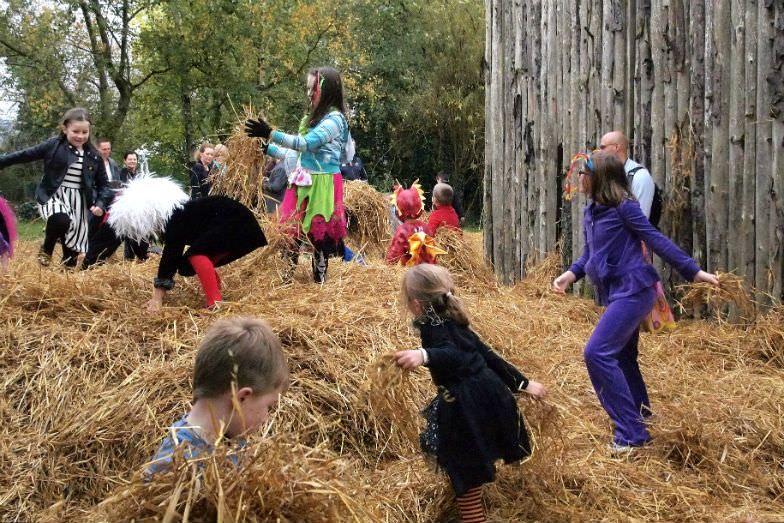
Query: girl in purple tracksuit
pixel 612 258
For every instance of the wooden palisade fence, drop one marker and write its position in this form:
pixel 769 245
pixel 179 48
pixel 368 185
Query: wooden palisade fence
pixel 698 86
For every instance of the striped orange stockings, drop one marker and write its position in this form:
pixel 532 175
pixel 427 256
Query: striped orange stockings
pixel 471 508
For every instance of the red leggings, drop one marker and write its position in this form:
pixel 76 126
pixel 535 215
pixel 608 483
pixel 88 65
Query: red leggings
pixel 210 281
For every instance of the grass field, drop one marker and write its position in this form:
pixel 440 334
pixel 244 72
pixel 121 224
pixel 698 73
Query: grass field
pixel 29 231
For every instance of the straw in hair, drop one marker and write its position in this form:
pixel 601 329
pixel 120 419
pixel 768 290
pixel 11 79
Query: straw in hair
pixel 243 351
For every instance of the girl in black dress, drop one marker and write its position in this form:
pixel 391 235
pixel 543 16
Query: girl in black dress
pixel 473 421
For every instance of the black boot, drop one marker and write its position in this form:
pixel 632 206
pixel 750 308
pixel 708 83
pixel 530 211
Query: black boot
pixel 44 257
pixel 319 262
pixel 70 257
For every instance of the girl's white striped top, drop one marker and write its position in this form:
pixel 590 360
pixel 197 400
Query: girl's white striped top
pixel 73 178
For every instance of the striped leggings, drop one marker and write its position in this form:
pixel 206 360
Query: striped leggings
pixel 471 508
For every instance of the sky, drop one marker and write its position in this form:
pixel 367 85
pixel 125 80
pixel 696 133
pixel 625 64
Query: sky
pixel 7 105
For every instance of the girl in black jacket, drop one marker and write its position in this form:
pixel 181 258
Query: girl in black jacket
pixel 74 183
pixel 473 421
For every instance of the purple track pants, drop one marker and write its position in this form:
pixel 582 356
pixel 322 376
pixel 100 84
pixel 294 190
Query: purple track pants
pixel 611 358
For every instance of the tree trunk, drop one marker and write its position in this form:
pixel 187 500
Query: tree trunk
pixel 187 118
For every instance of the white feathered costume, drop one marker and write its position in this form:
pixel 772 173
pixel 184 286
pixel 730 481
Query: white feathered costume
pixel 142 209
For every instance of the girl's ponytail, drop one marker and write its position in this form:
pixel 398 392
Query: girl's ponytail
pixel 431 285
pixel 454 307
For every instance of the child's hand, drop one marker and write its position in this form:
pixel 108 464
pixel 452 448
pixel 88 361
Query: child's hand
pixel 409 359
pixel 706 277
pixel 562 282
pixel 536 389
pixel 97 211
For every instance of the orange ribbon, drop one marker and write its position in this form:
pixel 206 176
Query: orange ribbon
pixel 421 246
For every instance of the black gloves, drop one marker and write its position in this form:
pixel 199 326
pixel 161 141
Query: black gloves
pixel 257 128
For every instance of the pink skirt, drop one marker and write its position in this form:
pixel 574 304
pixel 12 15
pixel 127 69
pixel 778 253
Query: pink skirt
pixel 326 232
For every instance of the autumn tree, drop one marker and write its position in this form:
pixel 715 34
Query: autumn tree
pixel 83 47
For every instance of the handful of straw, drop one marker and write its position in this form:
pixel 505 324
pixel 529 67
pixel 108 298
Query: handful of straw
pixel 390 395
pixel 241 180
pixel 731 290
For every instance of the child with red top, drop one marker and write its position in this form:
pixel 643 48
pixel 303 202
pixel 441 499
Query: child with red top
pixel 412 243
pixel 443 212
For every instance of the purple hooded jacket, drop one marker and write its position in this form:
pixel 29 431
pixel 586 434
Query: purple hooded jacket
pixel 612 256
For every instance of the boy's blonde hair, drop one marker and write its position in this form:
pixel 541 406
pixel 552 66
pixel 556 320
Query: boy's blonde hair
pixel 221 151
pixel 243 351
pixel 443 193
pixel 432 286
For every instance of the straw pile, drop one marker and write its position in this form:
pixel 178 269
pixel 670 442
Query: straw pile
pixel 464 260
pixel 90 382
pixel 244 166
pixel 368 219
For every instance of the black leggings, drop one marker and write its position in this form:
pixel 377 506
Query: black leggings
pixel 56 227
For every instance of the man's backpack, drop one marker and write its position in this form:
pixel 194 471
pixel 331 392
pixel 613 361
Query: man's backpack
pixel 657 205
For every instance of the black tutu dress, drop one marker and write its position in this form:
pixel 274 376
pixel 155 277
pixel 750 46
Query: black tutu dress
pixel 212 225
pixel 474 420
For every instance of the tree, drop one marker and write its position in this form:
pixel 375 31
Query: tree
pixel 44 47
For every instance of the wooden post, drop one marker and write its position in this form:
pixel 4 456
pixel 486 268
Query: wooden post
pixel 697 104
pixel 777 112
pixel 764 157
pixel 718 233
pixel 749 208
pixel 737 99
pixel 660 79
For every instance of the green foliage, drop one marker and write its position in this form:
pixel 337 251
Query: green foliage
pixel 27 212
pixel 411 69
pixel 30 230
